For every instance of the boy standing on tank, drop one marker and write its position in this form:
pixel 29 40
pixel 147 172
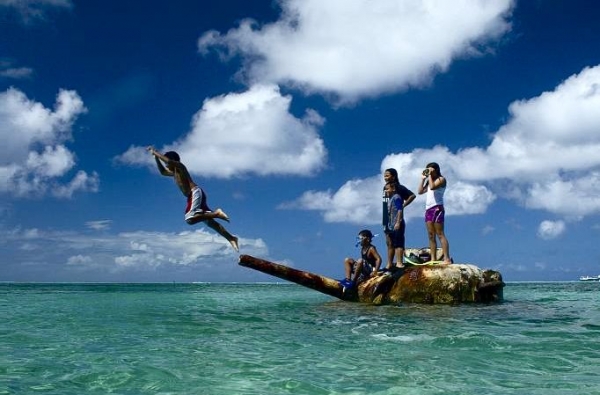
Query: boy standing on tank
pixel 196 210
pixel 391 175
pixel 395 225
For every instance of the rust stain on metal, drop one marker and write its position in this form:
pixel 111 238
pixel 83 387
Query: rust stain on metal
pixel 430 284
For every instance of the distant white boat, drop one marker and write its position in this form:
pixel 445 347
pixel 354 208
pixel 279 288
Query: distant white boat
pixel 589 278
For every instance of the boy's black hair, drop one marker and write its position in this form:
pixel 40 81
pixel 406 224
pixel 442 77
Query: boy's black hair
pixel 173 156
pixel 366 233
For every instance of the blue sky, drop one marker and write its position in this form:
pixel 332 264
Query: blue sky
pixel 286 113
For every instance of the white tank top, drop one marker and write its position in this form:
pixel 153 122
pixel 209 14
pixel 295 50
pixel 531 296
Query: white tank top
pixel 434 197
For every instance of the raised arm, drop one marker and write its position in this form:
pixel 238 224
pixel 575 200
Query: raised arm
pixel 425 181
pixel 160 157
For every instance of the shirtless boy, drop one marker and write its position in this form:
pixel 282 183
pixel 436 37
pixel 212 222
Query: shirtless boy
pixel 196 210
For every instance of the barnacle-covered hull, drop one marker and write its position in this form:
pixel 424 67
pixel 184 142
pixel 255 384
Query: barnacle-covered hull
pixel 431 284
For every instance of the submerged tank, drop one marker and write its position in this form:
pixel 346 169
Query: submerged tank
pixel 420 283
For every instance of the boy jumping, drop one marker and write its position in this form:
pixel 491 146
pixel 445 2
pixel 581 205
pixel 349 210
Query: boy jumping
pixel 196 210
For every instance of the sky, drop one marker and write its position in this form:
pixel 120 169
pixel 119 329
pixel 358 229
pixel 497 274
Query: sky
pixel 286 113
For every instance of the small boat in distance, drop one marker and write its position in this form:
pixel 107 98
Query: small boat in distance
pixel 589 278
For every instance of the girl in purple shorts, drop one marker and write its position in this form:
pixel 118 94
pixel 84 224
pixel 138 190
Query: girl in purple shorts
pixel 433 184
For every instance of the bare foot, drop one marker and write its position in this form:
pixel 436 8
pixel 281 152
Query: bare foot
pixel 221 215
pixel 234 244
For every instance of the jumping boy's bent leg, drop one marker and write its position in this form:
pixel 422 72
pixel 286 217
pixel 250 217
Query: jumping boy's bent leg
pixel 233 240
pixel 221 215
pixel 207 215
pixel 234 243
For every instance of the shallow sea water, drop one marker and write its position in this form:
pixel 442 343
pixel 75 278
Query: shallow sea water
pixel 284 339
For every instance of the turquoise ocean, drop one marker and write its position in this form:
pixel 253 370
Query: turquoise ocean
pixel 285 339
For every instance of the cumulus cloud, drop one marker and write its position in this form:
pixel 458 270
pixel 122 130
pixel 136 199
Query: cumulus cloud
pixel 555 131
pixel 549 230
pixel 112 253
pixel 35 159
pixel 358 201
pixel 352 49
pixel 355 202
pixel 251 132
pixel 547 152
pixel 544 157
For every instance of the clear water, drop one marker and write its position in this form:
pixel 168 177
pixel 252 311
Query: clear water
pixel 284 339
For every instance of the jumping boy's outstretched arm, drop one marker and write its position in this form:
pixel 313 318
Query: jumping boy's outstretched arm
pixel 160 157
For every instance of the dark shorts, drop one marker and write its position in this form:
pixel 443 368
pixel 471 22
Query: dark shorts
pixel 435 214
pixel 365 273
pixel 396 237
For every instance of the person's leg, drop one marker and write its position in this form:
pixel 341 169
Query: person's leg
pixel 207 215
pixel 220 229
pixel 439 231
pixel 358 267
pixel 399 257
pixel 399 245
pixel 432 242
pixel 197 209
pixel 390 251
pixel 348 264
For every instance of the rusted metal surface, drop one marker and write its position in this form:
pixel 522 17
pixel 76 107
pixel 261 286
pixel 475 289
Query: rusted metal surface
pixel 438 284
pixel 317 282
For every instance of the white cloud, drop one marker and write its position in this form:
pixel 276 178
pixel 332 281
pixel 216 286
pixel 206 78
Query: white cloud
pixel 359 201
pixel 355 202
pixel 359 48
pixel 247 133
pixel 547 152
pixel 553 132
pixel 465 198
pixel 35 159
pixel 554 195
pixel 151 249
pixel 141 251
pixel 81 182
pixel 545 157
pixel 53 162
pixel 549 230
pixel 16 73
pixel 103 224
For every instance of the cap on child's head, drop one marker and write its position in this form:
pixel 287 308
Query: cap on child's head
pixel 172 155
